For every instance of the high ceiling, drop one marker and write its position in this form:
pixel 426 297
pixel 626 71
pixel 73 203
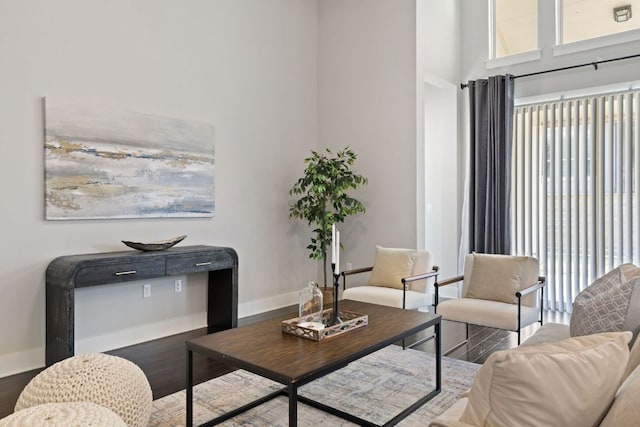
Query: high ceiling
pixel 516 29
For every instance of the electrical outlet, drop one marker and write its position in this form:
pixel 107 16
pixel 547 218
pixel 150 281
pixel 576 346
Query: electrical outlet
pixel 146 291
pixel 178 285
pixel 349 266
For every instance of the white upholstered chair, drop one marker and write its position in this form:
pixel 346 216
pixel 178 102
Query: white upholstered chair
pixel 398 279
pixel 498 291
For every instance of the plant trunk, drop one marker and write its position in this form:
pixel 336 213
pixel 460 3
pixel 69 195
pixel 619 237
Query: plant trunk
pixel 324 267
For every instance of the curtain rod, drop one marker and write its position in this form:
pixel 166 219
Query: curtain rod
pixel 593 64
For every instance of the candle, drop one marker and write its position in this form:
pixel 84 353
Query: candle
pixel 333 243
pixel 337 270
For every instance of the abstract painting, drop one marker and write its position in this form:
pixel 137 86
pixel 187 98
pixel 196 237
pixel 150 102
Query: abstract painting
pixel 107 162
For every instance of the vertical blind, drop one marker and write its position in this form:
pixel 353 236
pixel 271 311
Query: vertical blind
pixel 575 189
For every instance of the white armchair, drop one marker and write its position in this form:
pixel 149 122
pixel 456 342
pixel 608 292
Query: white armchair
pixel 498 291
pixel 398 279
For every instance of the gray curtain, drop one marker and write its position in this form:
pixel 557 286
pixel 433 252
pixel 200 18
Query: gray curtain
pixel 491 118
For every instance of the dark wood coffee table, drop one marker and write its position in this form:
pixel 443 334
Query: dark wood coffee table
pixel 263 349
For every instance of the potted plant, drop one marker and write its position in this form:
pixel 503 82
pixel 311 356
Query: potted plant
pixel 325 201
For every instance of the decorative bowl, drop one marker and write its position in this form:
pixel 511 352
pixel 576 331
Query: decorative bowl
pixel 160 245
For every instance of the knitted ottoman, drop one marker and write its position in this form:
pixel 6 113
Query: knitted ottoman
pixel 71 414
pixel 109 381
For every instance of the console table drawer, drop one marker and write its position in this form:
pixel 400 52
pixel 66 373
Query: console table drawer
pixel 195 263
pixel 121 272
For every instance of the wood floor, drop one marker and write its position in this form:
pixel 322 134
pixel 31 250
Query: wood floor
pixel 484 341
pixel 163 360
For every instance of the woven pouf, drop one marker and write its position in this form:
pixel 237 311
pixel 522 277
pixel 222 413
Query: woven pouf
pixel 106 380
pixel 69 414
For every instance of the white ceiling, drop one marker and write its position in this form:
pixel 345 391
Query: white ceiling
pixel 517 23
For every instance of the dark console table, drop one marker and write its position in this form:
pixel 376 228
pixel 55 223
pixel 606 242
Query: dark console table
pixel 66 273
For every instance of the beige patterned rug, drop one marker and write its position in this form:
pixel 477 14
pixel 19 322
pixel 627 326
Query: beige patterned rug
pixel 376 388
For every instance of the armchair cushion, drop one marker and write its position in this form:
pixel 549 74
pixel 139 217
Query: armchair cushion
pixel 499 277
pixel 536 385
pixel 391 297
pixel 604 305
pixel 494 314
pixel 390 266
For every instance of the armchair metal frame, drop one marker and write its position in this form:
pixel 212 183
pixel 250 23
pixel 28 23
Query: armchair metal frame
pixel 539 285
pixel 406 281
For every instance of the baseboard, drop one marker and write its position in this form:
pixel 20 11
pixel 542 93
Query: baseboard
pixel 268 315
pixel 265 305
pixel 21 361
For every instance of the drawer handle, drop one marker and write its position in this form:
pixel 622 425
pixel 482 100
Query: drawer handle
pixel 202 264
pixel 126 273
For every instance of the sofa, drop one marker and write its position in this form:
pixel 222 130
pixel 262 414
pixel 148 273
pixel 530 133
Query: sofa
pixel 586 373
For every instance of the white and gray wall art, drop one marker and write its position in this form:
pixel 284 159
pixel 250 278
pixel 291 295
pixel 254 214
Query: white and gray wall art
pixel 107 162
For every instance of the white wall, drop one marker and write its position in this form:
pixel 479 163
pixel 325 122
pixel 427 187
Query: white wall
pixel 248 67
pixel 442 205
pixel 367 100
pixel 438 204
pixel 387 68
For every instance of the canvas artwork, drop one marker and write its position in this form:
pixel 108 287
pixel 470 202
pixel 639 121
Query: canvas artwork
pixel 107 162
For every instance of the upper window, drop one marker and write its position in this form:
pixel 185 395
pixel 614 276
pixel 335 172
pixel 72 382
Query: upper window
pixel 564 26
pixel 587 19
pixel 515 27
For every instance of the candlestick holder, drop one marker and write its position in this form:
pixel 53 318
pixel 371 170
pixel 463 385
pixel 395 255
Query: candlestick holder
pixel 335 318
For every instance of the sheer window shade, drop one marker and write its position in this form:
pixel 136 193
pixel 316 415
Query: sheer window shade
pixel 575 200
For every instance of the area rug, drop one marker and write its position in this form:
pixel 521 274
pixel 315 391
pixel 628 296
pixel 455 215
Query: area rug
pixel 376 388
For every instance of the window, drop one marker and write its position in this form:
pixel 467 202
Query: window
pixel 515 27
pixel 587 19
pixel 576 189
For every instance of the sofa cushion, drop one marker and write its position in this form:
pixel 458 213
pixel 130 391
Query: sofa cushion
pixel 549 332
pixel 451 417
pixel 499 277
pixel 603 305
pixel 390 266
pixel 625 410
pixel 567 382
pixel 632 319
pixel 634 358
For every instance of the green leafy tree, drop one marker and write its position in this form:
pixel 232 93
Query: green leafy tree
pixel 324 200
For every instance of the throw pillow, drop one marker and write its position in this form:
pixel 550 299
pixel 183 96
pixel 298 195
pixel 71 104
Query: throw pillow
pixel 564 383
pixel 603 305
pixel 422 263
pixel 390 266
pixel 498 277
pixel 630 271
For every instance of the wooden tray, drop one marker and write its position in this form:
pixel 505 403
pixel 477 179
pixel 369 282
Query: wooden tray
pixel 350 321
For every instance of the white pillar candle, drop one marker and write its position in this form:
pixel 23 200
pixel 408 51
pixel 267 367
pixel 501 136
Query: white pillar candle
pixel 337 271
pixel 333 243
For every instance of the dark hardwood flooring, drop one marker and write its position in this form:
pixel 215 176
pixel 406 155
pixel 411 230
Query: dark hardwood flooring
pixel 163 360
pixel 484 341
